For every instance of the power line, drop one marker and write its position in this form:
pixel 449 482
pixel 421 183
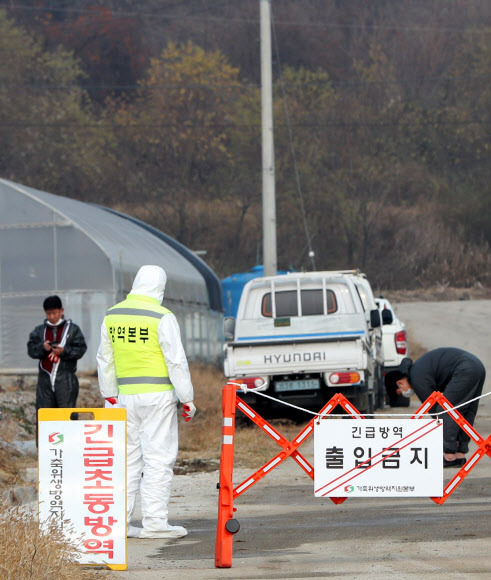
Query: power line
pixel 23 125
pixel 254 21
pixel 130 87
pixel 237 86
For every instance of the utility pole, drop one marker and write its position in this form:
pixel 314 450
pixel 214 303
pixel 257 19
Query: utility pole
pixel 269 201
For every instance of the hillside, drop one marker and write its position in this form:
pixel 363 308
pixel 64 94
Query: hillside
pixel 382 126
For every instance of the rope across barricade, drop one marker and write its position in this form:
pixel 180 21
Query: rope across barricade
pixel 245 389
pixel 228 526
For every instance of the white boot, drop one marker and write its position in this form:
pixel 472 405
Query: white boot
pixel 169 532
pixel 133 531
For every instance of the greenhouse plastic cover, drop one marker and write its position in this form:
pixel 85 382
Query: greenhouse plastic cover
pixel 52 244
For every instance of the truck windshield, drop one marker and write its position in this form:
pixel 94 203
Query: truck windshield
pixel 287 303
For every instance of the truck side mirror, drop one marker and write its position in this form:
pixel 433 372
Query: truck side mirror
pixel 229 328
pixel 374 318
pixel 387 317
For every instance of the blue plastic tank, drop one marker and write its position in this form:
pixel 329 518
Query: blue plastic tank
pixel 233 285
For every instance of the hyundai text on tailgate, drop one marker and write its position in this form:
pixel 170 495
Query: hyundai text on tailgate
pixel 301 338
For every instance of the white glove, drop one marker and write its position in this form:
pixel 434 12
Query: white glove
pixel 111 402
pixel 189 411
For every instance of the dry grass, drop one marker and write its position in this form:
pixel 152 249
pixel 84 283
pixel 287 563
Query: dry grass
pixel 28 552
pixel 200 438
pixel 9 467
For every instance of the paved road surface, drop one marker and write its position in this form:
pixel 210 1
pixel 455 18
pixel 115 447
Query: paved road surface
pixel 464 324
pixel 287 533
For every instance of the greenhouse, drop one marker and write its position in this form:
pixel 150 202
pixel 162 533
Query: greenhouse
pixel 89 255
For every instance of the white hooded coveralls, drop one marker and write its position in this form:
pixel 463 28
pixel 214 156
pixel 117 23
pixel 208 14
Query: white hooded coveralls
pixel 152 433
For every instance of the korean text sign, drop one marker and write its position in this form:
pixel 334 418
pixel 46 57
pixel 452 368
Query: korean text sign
pixel 378 458
pixel 82 483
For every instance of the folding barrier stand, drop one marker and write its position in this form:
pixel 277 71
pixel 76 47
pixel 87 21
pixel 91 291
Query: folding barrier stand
pixel 227 526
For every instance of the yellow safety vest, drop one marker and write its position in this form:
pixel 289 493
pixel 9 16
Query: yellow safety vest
pixel 132 326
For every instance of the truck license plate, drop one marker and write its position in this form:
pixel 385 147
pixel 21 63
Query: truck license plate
pixel 303 385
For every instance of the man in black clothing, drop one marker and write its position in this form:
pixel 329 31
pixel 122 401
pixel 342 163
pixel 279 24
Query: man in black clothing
pixel 58 344
pixel 459 375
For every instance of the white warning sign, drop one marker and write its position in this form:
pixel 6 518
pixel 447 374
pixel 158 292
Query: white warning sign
pixel 378 458
pixel 82 485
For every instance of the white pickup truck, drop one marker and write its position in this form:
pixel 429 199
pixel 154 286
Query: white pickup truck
pixel 301 338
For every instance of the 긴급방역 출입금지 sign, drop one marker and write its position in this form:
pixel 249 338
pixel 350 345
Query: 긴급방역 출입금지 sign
pixel 82 482
pixel 378 458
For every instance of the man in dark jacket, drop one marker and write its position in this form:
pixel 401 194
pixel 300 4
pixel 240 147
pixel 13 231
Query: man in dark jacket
pixel 58 344
pixel 459 375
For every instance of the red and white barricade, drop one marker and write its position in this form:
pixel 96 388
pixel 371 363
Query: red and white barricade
pixel 228 526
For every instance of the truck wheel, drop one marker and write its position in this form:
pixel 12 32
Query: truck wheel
pixel 365 403
pixel 360 402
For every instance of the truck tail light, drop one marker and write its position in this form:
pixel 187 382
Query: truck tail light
pixel 253 382
pixel 401 342
pixel 344 378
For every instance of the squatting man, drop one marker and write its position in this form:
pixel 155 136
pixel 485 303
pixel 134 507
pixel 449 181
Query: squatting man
pixel 459 375
pixel 142 368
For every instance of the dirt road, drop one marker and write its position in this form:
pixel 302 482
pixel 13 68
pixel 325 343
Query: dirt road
pixel 464 324
pixel 287 533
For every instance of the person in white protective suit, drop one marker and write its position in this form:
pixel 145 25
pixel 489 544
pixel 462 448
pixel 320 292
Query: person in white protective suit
pixel 142 368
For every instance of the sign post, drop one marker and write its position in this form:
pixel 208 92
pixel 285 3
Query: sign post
pixel 378 458
pixel 82 481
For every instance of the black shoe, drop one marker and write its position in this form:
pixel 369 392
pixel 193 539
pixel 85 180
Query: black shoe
pixel 453 463
pixel 462 461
